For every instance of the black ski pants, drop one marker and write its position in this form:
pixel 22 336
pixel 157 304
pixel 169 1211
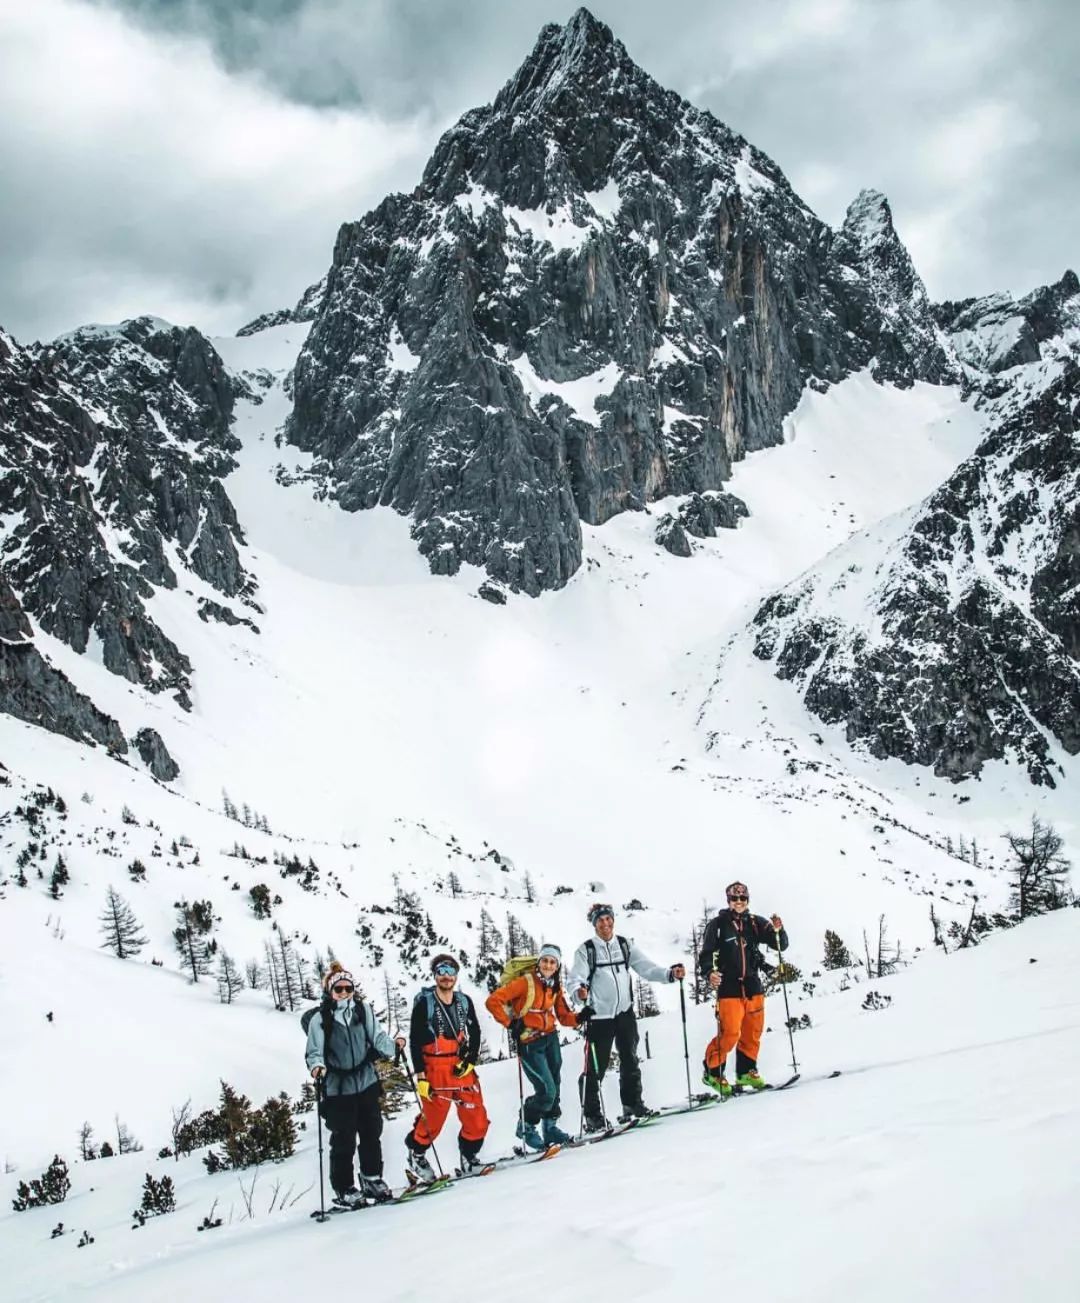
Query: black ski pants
pixel 601 1033
pixel 354 1122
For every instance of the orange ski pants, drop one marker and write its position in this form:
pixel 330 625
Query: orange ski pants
pixel 446 1089
pixel 741 1022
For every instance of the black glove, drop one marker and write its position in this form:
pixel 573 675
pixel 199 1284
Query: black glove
pixel 517 1026
pixel 584 1014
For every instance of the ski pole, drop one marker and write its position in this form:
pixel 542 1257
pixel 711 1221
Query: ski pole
pixel 685 1045
pixel 787 1009
pixel 323 1214
pixel 599 1083
pixel 719 1030
pixel 521 1101
pixel 420 1106
pixel 583 1083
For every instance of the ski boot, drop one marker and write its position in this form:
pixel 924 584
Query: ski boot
pixel 375 1189
pixel 720 1084
pixel 594 1125
pixel 527 1132
pixel 469 1162
pixel 417 1165
pixel 554 1134
pixel 752 1080
pixel 350 1198
pixel 637 1111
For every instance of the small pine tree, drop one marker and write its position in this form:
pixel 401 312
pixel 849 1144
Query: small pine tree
pixel 119 927
pixel 837 954
pixel 193 922
pixel 646 1000
pixel 126 1143
pixel 51 1187
pixel 87 1148
pixel 60 878
pixel 1039 871
pixel 229 981
pixel 158 1198
pixel 260 900
pixel 396 1091
pixel 137 871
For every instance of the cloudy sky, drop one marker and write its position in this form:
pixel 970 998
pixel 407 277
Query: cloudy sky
pixel 194 158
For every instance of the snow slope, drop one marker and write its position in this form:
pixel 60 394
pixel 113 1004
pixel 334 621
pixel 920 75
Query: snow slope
pixel 391 724
pixel 937 1165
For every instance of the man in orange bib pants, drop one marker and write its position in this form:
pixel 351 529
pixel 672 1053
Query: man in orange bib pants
pixel 730 961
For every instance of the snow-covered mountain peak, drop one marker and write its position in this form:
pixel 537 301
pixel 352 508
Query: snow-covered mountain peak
pixel 868 221
pixel 584 54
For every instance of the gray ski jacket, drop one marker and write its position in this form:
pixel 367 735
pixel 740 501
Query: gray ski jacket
pixel 348 1061
pixel 610 991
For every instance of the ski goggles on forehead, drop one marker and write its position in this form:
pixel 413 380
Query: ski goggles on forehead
pixel 445 970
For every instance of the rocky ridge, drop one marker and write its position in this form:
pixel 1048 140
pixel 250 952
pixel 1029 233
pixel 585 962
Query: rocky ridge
pixel 113 444
pixel 950 636
pixel 597 296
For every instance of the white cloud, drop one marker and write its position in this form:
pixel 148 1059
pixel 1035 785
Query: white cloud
pixel 140 176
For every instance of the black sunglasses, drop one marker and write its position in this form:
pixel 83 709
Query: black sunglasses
pixel 742 898
pixel 343 990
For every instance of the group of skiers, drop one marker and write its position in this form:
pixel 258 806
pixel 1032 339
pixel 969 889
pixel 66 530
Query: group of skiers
pixel 344 1041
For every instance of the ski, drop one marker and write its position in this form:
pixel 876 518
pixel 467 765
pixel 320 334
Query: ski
pixel 699 1103
pixel 418 1189
pixel 518 1158
pixel 407 1195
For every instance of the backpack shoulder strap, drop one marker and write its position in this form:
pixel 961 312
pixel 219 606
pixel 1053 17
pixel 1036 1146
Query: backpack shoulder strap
pixel 590 950
pixel 624 946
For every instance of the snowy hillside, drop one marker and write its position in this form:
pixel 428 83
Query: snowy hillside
pixel 385 721
pixel 946 1135
pixel 603 526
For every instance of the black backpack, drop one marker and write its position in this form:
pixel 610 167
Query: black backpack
pixel 590 950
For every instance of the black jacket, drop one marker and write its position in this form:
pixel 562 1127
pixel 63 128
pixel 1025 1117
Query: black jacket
pixel 432 1021
pixel 730 946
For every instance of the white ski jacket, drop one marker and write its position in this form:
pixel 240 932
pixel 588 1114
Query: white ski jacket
pixel 610 992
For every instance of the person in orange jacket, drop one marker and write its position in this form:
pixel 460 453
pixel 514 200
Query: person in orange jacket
pixel 531 1006
pixel 444 1042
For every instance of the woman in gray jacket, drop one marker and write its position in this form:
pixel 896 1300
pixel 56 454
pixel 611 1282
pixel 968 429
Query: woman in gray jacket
pixel 600 975
pixel 343 1043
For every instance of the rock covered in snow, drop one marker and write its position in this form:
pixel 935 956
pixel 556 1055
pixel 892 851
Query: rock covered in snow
pixel 597 296
pixel 114 442
pixel 950 635
pixel 306 309
pixel 33 690
pixel 701 515
pixel 893 311
pixel 997 332
pixel 155 755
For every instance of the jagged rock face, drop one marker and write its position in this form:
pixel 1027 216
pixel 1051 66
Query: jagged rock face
pixel 36 692
pixel 895 314
pixel 113 443
pixel 701 515
pixel 597 296
pixel 155 755
pixel 307 309
pixel 995 333
pixel 956 639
